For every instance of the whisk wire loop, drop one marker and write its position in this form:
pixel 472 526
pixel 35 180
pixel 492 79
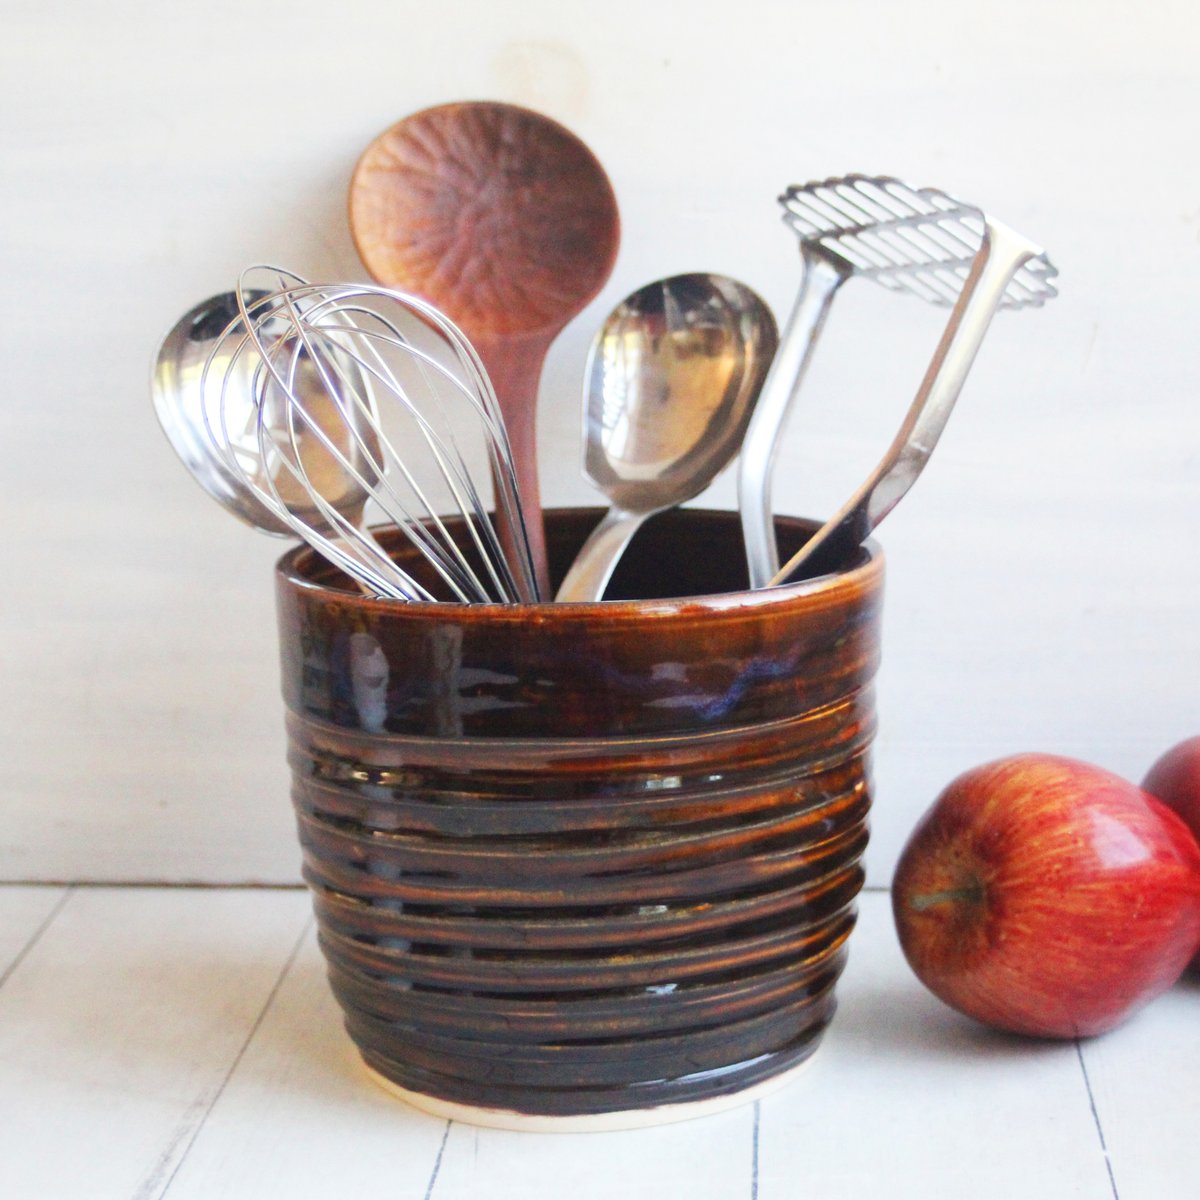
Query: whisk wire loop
pixel 330 370
pixel 418 527
pixel 471 386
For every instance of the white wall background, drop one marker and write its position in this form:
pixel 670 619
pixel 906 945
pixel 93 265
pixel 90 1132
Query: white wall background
pixel 1044 573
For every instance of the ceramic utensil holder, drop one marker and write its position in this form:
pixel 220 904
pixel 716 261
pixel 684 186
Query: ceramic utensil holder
pixel 586 866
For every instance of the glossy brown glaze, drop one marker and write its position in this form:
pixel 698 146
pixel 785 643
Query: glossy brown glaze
pixel 574 859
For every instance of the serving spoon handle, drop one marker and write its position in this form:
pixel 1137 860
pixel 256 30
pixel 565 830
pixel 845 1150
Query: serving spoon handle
pixel 595 562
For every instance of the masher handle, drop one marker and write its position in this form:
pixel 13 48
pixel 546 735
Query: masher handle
pixel 756 462
pixel 1001 254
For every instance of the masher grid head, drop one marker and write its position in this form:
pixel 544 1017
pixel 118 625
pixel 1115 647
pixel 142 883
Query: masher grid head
pixel 917 240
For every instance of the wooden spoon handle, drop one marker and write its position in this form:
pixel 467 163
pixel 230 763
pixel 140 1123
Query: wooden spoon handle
pixel 514 365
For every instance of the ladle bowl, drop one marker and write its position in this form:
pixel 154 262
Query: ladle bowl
pixel 204 396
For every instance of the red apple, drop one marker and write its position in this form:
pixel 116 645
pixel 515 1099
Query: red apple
pixel 1175 780
pixel 1048 897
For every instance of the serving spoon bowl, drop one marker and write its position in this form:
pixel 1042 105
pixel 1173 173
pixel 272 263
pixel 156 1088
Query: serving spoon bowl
pixel 672 379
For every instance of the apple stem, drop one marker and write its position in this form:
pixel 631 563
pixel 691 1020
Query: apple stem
pixel 971 894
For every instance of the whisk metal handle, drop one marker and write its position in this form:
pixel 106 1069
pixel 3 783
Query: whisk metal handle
pixel 1001 255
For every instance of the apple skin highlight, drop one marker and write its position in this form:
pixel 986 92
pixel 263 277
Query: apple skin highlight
pixel 1048 897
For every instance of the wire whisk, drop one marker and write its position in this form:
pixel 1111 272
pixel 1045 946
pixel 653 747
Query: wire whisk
pixel 346 407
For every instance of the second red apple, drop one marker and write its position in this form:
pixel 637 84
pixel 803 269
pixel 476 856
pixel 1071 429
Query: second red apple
pixel 1175 780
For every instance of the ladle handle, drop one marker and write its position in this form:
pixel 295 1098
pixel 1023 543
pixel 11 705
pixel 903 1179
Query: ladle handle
pixel 1001 255
pixel 820 281
pixel 593 565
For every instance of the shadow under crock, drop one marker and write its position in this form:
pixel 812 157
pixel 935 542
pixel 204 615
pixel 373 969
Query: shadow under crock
pixel 585 859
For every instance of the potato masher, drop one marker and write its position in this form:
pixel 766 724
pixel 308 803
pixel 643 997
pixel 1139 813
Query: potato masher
pixel 921 241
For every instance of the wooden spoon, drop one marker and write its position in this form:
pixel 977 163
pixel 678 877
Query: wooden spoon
pixel 505 221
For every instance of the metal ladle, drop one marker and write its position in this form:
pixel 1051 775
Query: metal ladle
pixel 671 383
pixel 184 358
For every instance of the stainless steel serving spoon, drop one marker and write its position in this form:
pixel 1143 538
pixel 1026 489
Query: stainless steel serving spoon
pixel 671 383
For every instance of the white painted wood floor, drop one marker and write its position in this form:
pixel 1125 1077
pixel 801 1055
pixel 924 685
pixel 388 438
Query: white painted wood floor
pixel 182 1043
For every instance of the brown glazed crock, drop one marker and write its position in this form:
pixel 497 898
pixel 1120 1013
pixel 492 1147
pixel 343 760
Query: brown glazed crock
pixel 586 859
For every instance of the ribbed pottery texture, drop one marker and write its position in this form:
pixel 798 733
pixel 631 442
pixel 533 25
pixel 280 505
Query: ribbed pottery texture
pixel 573 859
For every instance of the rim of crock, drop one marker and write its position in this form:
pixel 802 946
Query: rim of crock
pixel 867 570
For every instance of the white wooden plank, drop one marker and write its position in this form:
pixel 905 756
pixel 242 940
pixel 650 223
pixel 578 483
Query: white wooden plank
pixel 120 1026
pixel 710 1157
pixel 300 1090
pixel 24 912
pixel 151 1032
pixel 300 1118
pixel 907 1099
pixel 1143 1081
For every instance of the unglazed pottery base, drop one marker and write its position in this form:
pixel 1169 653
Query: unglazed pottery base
pixel 643 1118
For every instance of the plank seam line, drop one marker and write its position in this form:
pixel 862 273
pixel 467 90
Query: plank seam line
pixel 1087 1083
pixel 437 1162
pixel 233 1066
pixel 754 1151
pixel 34 937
